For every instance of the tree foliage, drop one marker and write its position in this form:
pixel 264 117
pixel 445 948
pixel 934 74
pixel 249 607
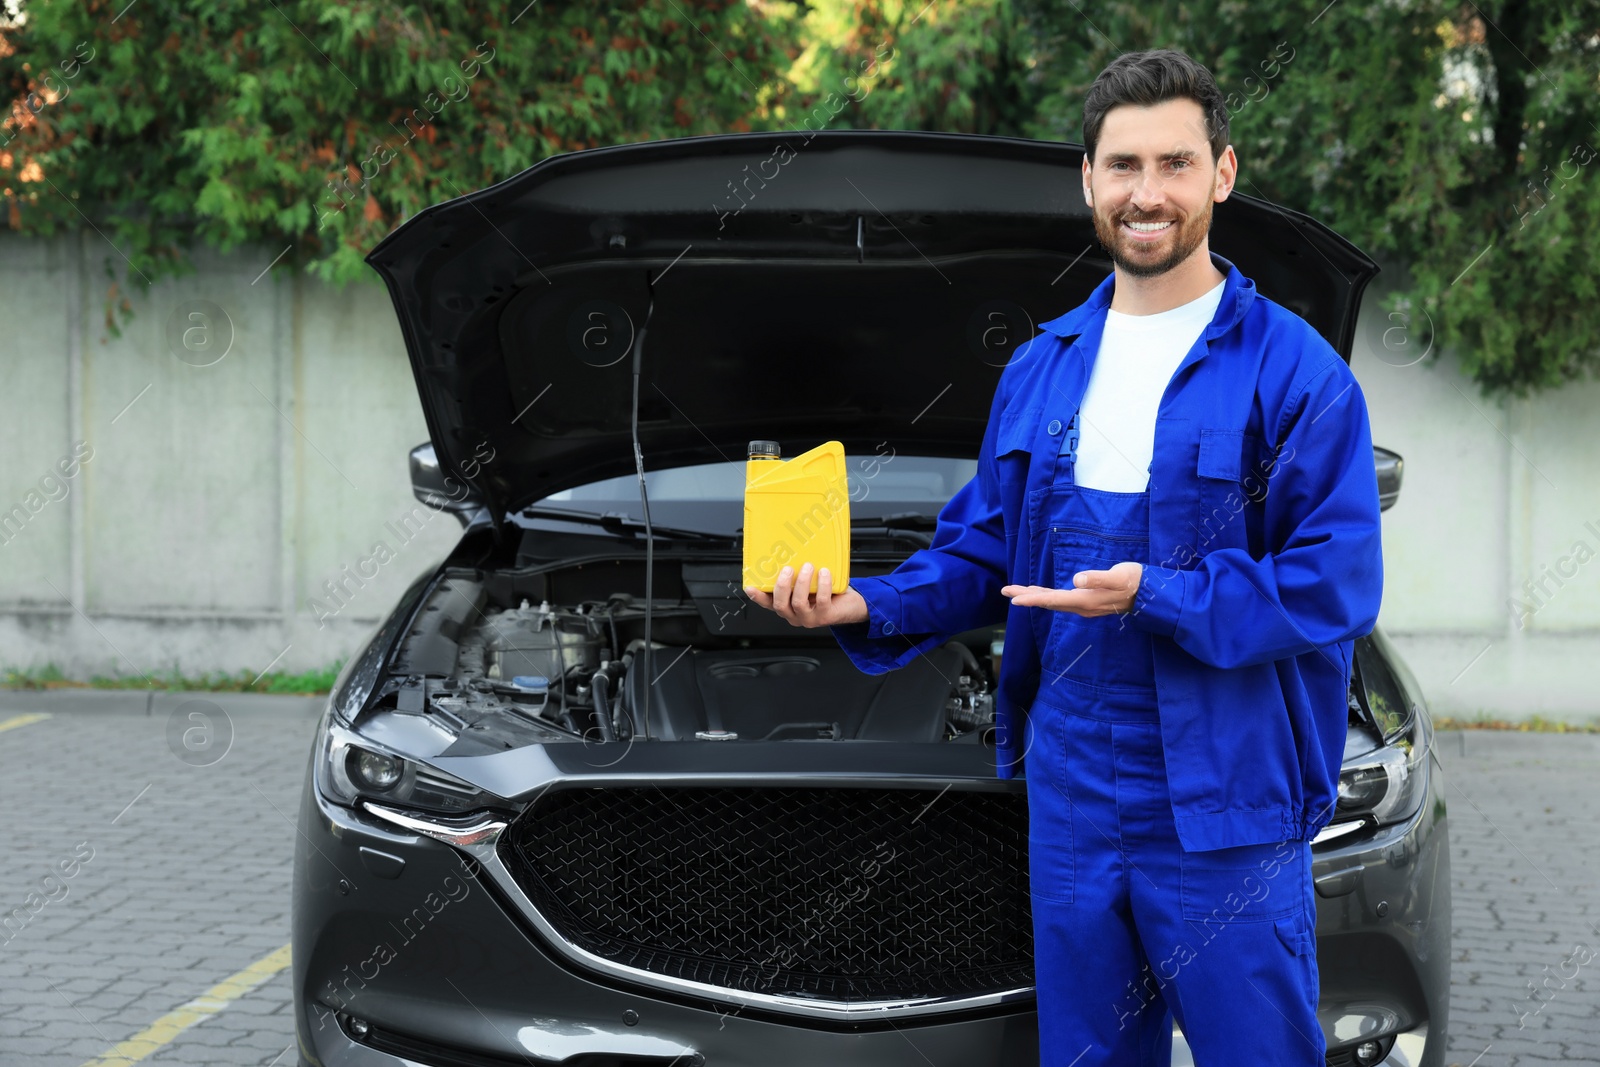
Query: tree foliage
pixel 1451 139
pixel 319 126
pixel 1455 139
pixel 952 67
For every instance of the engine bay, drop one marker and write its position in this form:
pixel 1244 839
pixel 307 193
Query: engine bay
pixel 505 658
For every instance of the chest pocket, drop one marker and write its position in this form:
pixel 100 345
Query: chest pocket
pixel 1231 469
pixel 1016 432
pixel 1013 455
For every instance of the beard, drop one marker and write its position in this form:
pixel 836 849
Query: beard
pixel 1146 262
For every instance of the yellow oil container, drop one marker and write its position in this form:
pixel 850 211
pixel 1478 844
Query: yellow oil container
pixel 796 511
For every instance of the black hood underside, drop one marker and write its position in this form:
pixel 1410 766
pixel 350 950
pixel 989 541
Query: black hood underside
pixel 848 285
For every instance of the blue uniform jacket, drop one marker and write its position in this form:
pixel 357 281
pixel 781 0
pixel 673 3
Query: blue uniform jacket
pixel 1265 560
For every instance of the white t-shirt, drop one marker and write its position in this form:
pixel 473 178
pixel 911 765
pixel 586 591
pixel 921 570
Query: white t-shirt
pixel 1117 419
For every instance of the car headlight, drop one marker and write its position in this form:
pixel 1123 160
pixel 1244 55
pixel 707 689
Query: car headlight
pixel 1386 784
pixel 351 768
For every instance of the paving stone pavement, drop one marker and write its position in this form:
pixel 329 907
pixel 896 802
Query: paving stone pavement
pixel 1526 887
pixel 187 881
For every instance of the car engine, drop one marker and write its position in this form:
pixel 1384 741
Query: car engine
pixel 499 659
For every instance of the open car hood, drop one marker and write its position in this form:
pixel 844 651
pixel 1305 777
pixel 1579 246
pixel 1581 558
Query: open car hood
pixel 857 285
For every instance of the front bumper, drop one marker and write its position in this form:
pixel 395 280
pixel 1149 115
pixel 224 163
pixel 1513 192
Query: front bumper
pixel 425 949
pixel 408 951
pixel 1383 934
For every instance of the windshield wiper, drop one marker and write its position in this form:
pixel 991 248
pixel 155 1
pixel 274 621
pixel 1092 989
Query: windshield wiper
pixel 912 523
pixel 622 524
pixel 902 520
pixel 910 526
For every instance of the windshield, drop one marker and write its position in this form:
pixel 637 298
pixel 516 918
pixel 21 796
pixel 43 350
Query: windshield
pixel 710 496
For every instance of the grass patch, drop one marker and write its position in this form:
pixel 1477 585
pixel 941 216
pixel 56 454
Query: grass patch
pixel 1533 724
pixel 306 683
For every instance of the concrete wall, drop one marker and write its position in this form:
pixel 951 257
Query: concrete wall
pixel 239 456
pixel 234 469
pixel 1492 585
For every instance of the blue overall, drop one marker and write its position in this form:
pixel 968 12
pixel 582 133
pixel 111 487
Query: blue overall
pixel 1170 860
pixel 1129 929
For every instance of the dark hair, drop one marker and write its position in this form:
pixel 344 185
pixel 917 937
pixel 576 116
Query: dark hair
pixel 1152 77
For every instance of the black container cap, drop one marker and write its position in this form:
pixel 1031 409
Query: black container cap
pixel 767 449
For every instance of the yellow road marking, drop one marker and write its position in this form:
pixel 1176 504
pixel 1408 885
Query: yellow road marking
pixel 169 1026
pixel 22 720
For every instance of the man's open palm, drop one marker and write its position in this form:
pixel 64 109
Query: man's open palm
pixel 1094 592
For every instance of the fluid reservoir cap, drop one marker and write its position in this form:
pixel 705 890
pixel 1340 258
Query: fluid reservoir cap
pixel 531 681
pixel 765 450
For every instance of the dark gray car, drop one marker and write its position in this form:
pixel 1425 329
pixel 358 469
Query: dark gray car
pixel 551 819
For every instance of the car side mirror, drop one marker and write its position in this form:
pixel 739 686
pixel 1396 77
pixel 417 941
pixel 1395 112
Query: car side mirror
pixel 438 490
pixel 1390 466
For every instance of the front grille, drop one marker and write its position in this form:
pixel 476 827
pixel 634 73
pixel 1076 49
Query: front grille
pixel 836 893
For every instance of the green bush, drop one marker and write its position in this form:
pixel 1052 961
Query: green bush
pixel 1455 140
pixel 316 126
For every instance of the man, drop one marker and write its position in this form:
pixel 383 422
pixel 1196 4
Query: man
pixel 1176 493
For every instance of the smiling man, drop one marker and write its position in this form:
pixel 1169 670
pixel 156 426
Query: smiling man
pixel 1176 494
